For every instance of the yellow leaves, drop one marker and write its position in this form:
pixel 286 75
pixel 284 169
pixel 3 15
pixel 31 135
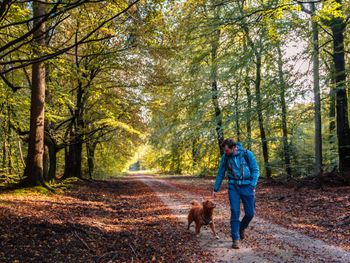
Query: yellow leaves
pixel 53 117
pixel 273 34
pixel 330 9
pixel 106 31
pixel 278 14
pixel 19 11
pixel 117 124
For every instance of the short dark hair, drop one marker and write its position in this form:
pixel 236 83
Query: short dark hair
pixel 229 142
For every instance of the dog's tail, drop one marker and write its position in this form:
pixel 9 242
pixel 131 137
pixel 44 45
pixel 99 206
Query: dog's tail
pixel 195 203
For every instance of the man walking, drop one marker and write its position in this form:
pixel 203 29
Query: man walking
pixel 243 173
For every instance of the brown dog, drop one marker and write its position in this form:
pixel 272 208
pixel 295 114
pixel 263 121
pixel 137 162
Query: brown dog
pixel 202 215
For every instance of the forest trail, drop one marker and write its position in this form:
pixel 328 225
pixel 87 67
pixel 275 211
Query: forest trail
pixel 267 242
pixel 142 218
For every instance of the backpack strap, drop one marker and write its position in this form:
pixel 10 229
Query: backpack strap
pixel 246 158
pixel 229 167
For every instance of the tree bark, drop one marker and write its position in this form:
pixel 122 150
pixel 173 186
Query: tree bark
pixel 286 151
pixel 34 166
pixel 52 158
pixel 249 121
pixel 195 153
pixel 249 100
pixel 331 115
pixel 46 164
pixel 317 96
pixel 343 129
pixel 238 133
pixel 260 115
pixel 72 165
pixel 90 148
pixel 215 91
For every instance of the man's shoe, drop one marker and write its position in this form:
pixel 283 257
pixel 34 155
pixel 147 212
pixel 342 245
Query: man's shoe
pixel 241 233
pixel 235 244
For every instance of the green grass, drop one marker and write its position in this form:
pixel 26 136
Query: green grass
pixel 58 187
pixel 31 190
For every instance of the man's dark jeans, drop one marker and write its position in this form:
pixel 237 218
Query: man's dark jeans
pixel 247 195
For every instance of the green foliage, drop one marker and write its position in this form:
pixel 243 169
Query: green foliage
pixel 142 82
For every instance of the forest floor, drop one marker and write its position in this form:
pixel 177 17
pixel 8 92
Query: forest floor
pixel 142 218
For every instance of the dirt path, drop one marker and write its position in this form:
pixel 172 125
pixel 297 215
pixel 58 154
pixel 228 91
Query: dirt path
pixel 267 242
pixel 120 220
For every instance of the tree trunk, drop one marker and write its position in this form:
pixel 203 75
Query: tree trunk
pixel 34 166
pixel 20 152
pixel 317 96
pixel 195 153
pixel 46 163
pixel 286 151
pixel 52 159
pixel 9 155
pixel 4 144
pixel 238 134
pixel 260 115
pixel 249 121
pixel 90 148
pixel 331 115
pixel 73 157
pixel 215 91
pixel 343 129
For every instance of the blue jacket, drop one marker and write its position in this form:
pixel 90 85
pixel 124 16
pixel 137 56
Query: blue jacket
pixel 250 174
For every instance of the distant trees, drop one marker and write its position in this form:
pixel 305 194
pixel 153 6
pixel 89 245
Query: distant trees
pixel 83 73
pixel 260 95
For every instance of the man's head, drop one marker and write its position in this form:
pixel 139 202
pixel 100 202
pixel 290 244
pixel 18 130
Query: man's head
pixel 229 146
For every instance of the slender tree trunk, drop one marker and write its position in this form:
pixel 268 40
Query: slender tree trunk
pixel 248 114
pixel 332 116
pixel 4 144
pixel 286 151
pixel 195 153
pixel 51 158
pixel 332 104
pixel 238 133
pixel 90 148
pixel 260 115
pixel 46 163
pixel 343 129
pixel 215 91
pixel 34 165
pixel 73 157
pixel 248 108
pixel 81 126
pixel 9 155
pixel 20 152
pixel 317 96
pixel 79 150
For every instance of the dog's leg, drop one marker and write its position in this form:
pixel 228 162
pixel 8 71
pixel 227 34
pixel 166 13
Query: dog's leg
pixel 189 219
pixel 212 226
pixel 198 229
pixel 189 223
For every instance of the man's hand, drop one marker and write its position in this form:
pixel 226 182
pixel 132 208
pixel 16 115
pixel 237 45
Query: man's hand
pixel 213 194
pixel 253 188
